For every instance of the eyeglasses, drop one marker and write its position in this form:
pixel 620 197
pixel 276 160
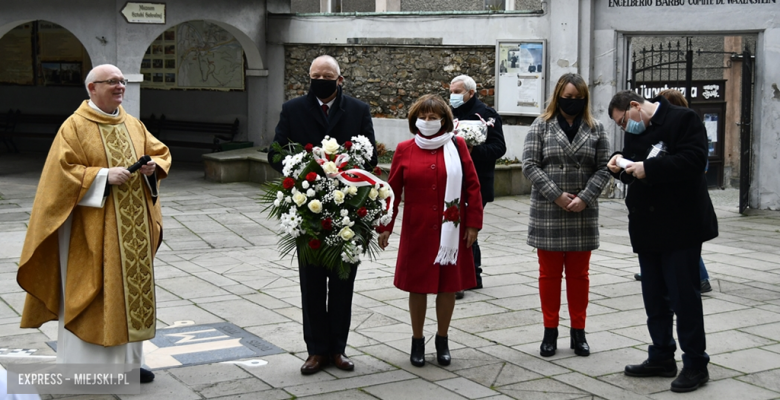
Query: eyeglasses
pixel 623 121
pixel 113 82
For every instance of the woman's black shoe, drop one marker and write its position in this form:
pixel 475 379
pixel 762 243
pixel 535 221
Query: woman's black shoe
pixel 418 352
pixel 442 350
pixel 550 342
pixel 578 342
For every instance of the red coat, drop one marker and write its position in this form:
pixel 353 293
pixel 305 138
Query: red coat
pixel 422 177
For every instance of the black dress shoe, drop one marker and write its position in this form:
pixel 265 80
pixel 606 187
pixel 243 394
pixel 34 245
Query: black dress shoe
pixel 442 350
pixel 314 364
pixel 549 343
pixel 418 352
pixel 342 362
pixel 459 294
pixel 638 277
pixel 690 379
pixel 146 375
pixel 705 286
pixel 666 368
pixel 578 342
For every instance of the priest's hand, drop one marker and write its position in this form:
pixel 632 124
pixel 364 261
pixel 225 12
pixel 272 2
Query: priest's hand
pixel 470 236
pixel 118 175
pixel 384 239
pixel 149 168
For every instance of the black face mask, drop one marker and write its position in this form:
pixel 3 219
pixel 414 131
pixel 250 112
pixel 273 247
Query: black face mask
pixel 323 88
pixel 572 107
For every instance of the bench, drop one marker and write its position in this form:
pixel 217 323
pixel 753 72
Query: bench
pixel 219 132
pixel 18 124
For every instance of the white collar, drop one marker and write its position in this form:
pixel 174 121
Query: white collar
pixel 94 107
pixel 329 104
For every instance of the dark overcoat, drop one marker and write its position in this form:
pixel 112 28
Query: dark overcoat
pixel 302 121
pixel 486 154
pixel 553 165
pixel 670 209
pixel 420 177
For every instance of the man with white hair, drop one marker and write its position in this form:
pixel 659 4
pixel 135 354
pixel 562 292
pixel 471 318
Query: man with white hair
pixel 466 106
pixel 94 230
pixel 326 299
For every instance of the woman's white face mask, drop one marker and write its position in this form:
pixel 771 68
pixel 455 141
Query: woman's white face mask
pixel 428 128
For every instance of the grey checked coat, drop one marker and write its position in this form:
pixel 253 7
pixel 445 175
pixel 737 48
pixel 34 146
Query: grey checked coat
pixel 553 165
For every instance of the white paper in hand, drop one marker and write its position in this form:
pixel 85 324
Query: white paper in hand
pixel 624 163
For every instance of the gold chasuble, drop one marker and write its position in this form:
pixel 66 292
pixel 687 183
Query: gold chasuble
pixel 109 289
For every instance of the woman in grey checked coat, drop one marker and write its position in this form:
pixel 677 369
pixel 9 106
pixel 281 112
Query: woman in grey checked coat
pixel 565 157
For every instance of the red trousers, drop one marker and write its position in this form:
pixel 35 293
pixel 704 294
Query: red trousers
pixel 551 267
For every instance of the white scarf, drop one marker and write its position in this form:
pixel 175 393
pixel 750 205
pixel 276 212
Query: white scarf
pixel 449 240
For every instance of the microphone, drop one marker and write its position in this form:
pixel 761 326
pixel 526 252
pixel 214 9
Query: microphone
pixel 140 163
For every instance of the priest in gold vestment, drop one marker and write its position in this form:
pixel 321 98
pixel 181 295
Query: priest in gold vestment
pixel 94 231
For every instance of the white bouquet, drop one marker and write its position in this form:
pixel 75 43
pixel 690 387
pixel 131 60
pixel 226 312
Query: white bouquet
pixel 473 131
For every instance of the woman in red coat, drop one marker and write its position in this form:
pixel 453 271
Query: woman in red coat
pixel 442 216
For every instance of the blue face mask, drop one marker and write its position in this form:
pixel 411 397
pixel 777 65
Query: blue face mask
pixel 456 100
pixel 636 127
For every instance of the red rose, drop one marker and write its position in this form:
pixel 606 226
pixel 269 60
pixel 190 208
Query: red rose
pixel 327 224
pixel 288 183
pixel 308 147
pixel 451 214
pixel 361 212
pixel 314 244
pixel 311 176
pixel 377 171
pixel 347 145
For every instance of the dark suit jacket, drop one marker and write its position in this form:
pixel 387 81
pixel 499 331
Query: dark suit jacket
pixel 302 121
pixel 670 209
pixel 486 154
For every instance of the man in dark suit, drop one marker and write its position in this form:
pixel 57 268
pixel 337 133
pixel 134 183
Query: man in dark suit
pixel 326 299
pixel 670 215
pixel 466 106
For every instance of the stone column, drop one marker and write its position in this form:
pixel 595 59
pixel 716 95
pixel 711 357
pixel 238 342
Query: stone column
pixel 132 100
pixel 257 106
pixel 563 44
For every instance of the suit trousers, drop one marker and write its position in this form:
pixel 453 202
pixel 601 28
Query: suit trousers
pixel 478 254
pixel 551 267
pixel 326 301
pixel 671 285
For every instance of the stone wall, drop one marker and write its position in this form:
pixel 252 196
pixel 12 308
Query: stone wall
pixel 391 78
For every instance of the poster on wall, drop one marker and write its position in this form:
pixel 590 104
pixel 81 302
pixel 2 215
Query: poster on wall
pixel 520 72
pixel 194 55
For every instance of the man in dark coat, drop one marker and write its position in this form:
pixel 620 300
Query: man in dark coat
pixel 466 106
pixel 670 215
pixel 326 299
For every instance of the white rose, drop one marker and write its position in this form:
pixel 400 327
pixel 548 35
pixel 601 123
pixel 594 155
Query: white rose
pixel 346 233
pixel 372 194
pixel 352 190
pixel 330 168
pixel 305 184
pixel 384 192
pixel 315 206
pixel 277 203
pixel 338 196
pixel 299 198
pixel 279 195
pixel 343 213
pixel 330 146
pixel 310 193
pixel 288 199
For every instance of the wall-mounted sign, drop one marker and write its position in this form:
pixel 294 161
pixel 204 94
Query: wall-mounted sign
pixel 144 13
pixel 710 91
pixel 520 77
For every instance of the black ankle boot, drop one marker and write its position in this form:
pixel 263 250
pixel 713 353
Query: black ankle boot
pixel 549 343
pixel 578 342
pixel 442 350
pixel 418 352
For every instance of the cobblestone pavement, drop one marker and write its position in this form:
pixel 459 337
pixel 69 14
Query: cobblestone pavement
pixel 219 263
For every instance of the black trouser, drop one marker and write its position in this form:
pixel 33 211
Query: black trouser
pixel 671 285
pixel 327 308
pixel 478 255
